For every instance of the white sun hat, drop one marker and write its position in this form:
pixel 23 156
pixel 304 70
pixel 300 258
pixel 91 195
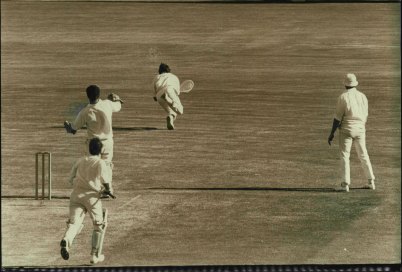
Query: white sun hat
pixel 350 80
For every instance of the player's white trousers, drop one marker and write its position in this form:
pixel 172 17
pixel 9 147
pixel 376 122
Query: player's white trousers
pixel 358 137
pixel 175 107
pixel 80 204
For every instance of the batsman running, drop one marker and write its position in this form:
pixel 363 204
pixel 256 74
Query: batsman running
pixel 90 178
pixel 167 91
pixel 97 117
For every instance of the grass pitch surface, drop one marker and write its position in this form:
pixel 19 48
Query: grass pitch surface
pixel 247 177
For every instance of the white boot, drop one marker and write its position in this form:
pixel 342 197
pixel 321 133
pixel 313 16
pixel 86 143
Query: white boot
pixel 370 185
pixel 96 241
pixel 96 259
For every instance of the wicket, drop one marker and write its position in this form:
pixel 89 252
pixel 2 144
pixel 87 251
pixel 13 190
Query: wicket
pixel 43 156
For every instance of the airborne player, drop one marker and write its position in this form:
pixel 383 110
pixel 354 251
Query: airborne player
pixel 167 91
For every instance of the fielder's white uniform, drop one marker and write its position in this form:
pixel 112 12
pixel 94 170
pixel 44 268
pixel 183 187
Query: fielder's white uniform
pixel 352 112
pixel 168 84
pixel 87 176
pixel 98 120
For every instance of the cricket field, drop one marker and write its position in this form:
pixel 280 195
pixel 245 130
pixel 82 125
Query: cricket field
pixel 247 177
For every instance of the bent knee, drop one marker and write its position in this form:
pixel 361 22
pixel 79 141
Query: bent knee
pixel 179 110
pixel 98 226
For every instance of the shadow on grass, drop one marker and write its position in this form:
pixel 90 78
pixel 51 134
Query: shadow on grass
pixel 33 197
pixel 46 267
pixel 135 128
pixel 123 128
pixel 285 189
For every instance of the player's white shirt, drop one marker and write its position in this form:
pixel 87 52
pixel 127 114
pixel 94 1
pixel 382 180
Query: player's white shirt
pixel 352 109
pixel 97 118
pixel 89 173
pixel 166 83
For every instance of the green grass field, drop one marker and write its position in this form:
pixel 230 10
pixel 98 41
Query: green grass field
pixel 247 177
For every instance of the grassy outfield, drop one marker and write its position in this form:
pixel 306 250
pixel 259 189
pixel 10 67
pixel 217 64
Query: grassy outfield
pixel 247 177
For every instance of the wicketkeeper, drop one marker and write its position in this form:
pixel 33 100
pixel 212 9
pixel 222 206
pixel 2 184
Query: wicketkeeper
pixel 167 91
pixel 90 177
pixel 97 117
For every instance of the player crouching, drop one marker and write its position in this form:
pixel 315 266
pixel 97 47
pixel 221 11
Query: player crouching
pixel 90 177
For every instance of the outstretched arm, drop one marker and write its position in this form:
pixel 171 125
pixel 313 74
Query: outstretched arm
pixel 78 123
pixel 335 124
pixel 114 98
pixel 69 128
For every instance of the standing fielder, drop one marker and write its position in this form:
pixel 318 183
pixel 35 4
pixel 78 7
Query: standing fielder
pixel 97 117
pixel 167 91
pixel 351 117
pixel 88 176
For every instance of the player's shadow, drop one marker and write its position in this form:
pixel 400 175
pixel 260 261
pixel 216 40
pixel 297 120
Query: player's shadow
pixel 33 197
pixel 135 128
pixel 285 189
pixel 123 128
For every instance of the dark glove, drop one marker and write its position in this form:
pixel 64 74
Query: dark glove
pixel 69 129
pixel 114 97
pixel 107 191
pixel 330 138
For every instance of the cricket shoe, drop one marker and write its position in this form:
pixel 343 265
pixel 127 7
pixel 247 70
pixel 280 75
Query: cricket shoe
pixel 343 188
pixel 64 249
pixel 169 121
pixel 97 259
pixel 370 185
pixel 104 196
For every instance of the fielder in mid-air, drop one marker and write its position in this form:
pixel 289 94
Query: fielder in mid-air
pixel 90 177
pixel 351 117
pixel 167 91
pixel 97 117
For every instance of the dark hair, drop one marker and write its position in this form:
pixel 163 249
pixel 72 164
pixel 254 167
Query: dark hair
pixel 93 92
pixel 164 68
pixel 95 146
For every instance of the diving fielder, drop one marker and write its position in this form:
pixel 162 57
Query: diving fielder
pixel 167 91
pixel 97 117
pixel 89 177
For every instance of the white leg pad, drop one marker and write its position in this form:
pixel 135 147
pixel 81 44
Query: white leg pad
pixel 98 236
pixel 105 214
